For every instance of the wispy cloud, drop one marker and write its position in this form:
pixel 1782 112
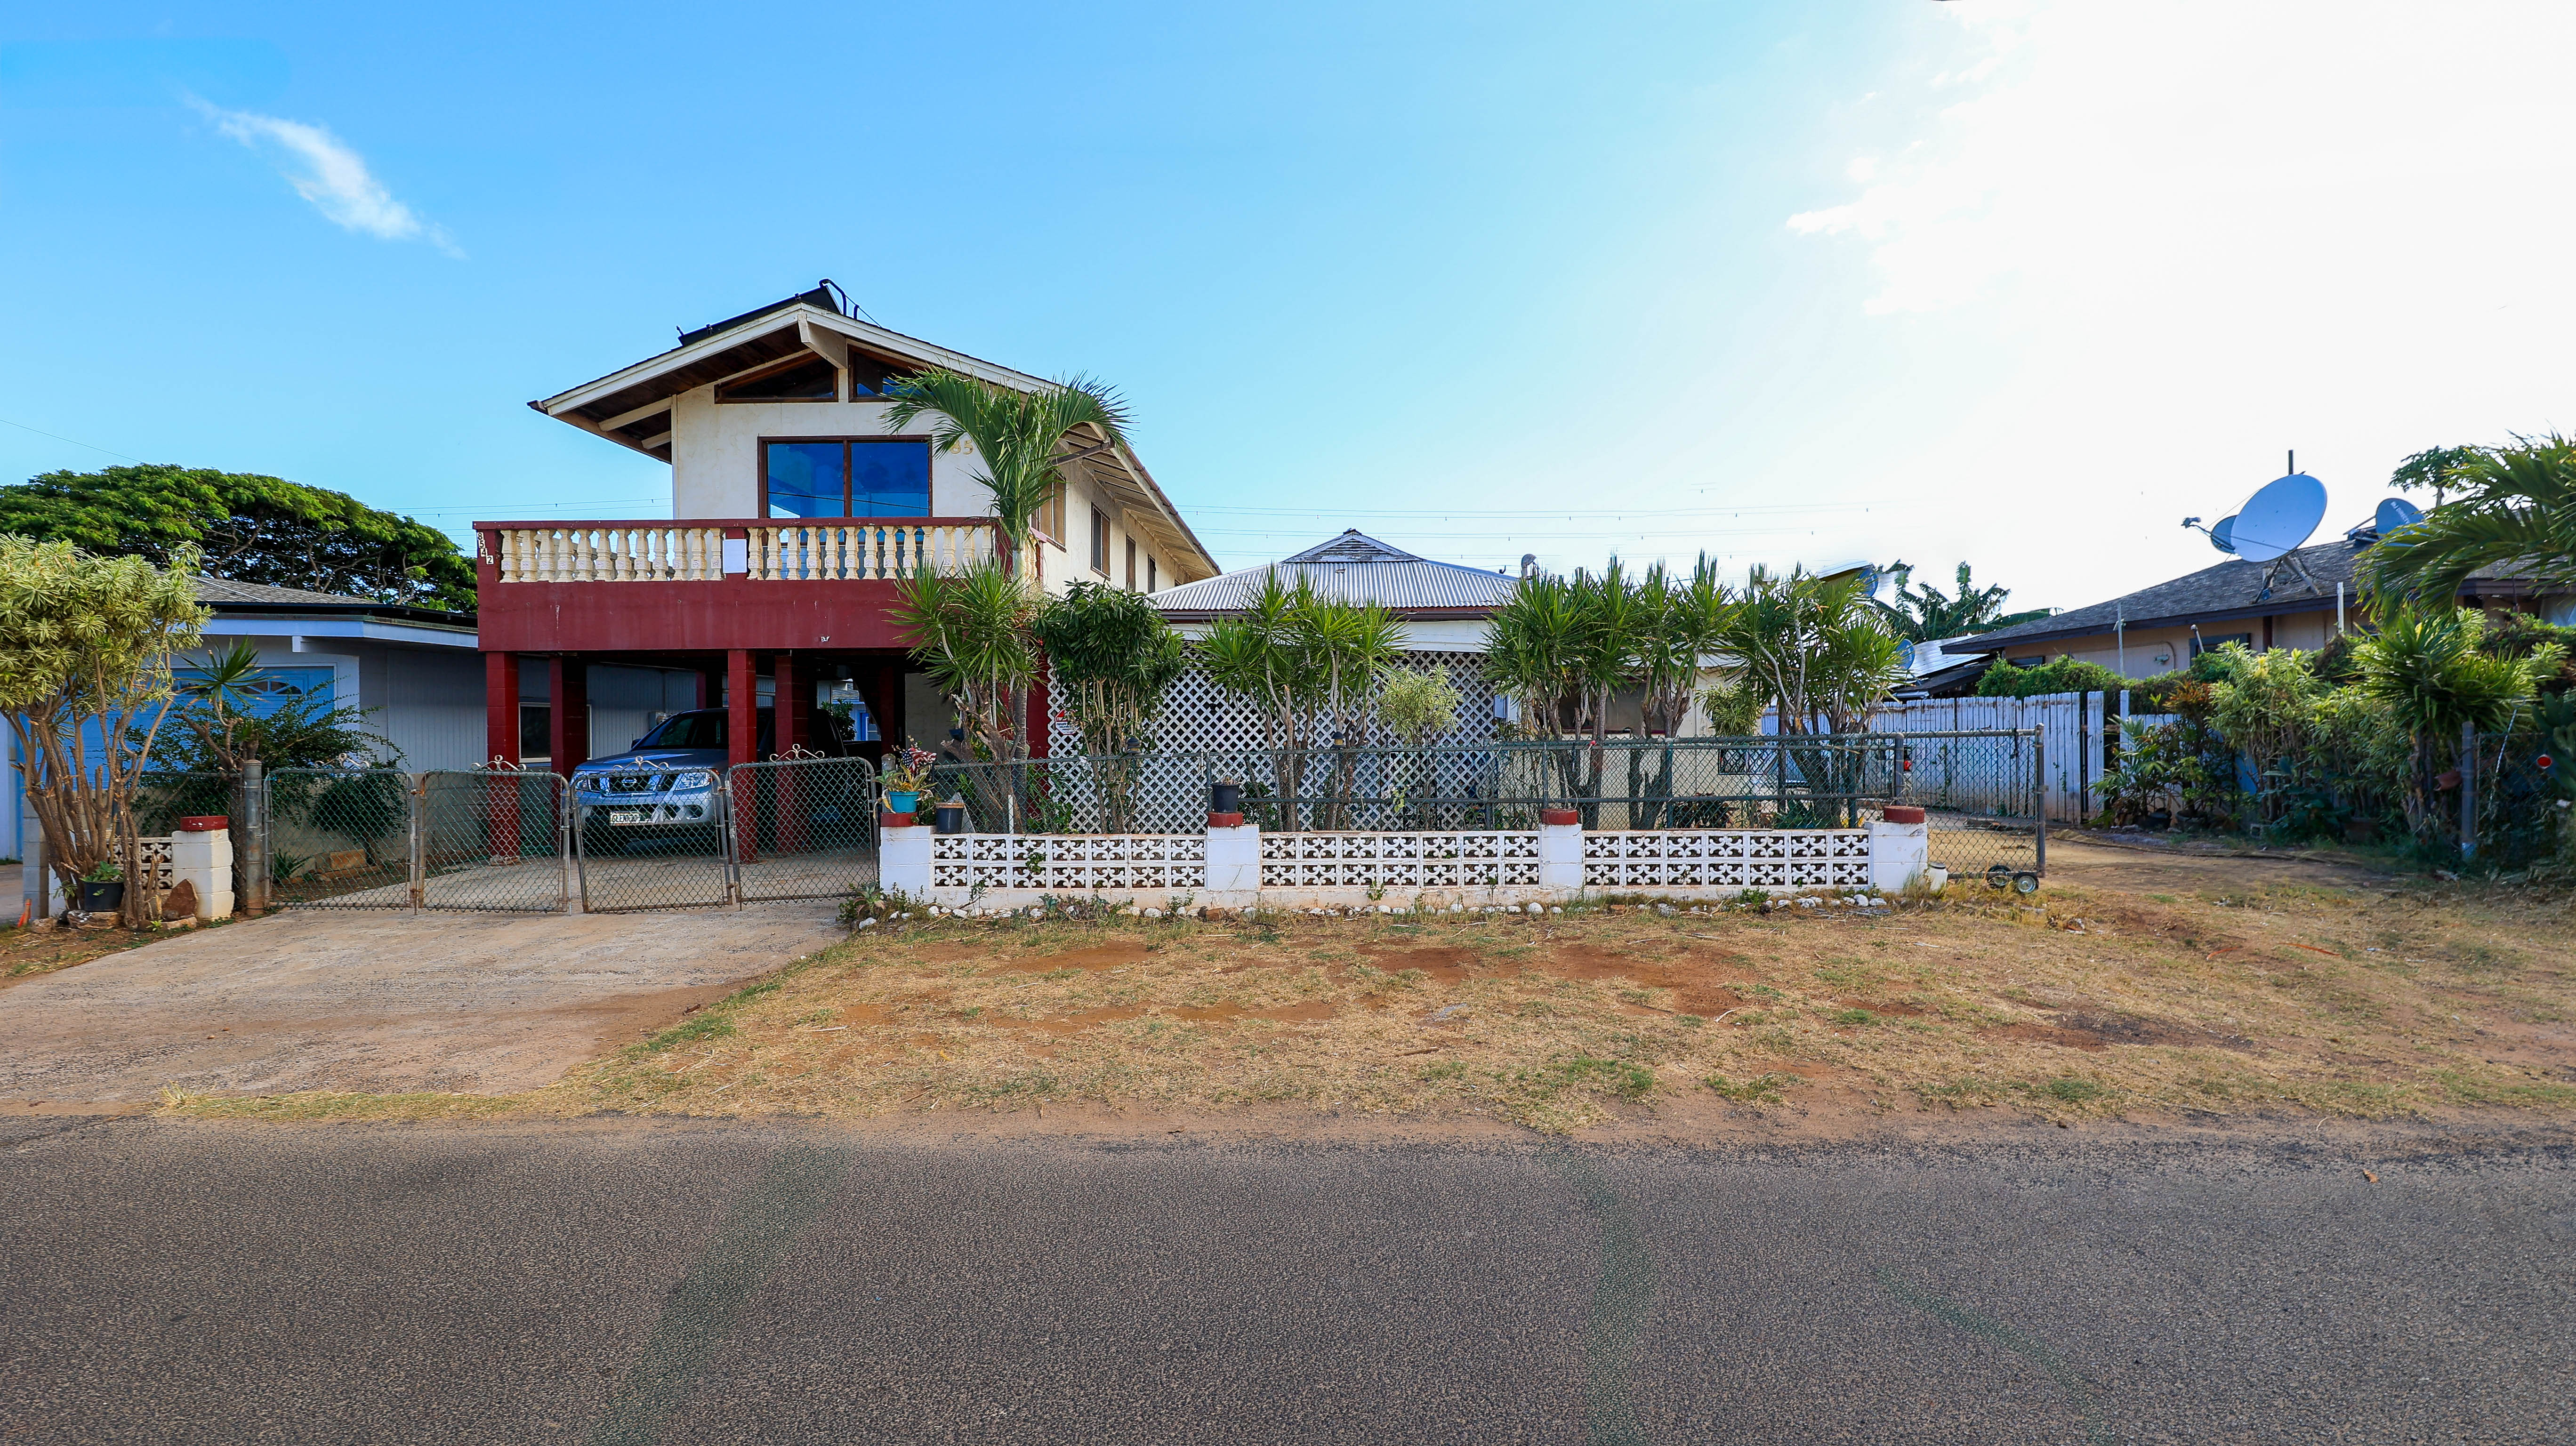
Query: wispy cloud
pixel 324 170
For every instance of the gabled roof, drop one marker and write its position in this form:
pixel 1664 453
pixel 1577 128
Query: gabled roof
pixel 1353 568
pixel 2227 592
pixel 632 405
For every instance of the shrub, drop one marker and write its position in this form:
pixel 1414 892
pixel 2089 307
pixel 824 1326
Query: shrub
pixel 2066 675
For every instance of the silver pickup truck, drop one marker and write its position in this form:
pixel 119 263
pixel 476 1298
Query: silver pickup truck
pixel 667 785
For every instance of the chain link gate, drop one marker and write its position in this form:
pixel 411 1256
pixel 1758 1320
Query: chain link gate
pixel 804 828
pixel 653 840
pixel 340 838
pixel 1983 792
pixel 491 839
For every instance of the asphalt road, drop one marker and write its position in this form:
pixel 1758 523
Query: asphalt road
pixel 623 1283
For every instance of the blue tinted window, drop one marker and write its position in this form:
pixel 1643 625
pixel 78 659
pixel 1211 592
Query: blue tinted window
pixel 889 479
pixel 806 479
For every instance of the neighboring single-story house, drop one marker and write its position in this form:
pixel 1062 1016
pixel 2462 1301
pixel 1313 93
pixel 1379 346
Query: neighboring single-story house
pixel 1444 607
pixel 2161 628
pixel 413 670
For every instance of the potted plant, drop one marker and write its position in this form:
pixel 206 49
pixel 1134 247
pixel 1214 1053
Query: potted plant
pixel 906 775
pixel 102 889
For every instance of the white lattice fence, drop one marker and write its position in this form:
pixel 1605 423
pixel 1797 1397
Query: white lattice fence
pixel 1069 863
pixel 1398 860
pixel 1199 716
pixel 1832 858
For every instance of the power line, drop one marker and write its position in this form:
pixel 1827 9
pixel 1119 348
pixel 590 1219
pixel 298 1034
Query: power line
pixel 59 437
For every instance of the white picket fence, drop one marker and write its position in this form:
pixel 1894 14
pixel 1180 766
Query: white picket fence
pixel 2071 738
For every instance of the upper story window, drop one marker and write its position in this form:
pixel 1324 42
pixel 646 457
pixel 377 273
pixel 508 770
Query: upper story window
pixel 1050 518
pixel 845 477
pixel 808 379
pixel 1153 583
pixel 1131 564
pixel 868 377
pixel 1099 542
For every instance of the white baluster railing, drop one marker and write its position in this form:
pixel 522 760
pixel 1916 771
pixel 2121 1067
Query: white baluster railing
pixel 778 552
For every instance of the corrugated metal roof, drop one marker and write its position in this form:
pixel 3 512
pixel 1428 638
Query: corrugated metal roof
pixel 1351 568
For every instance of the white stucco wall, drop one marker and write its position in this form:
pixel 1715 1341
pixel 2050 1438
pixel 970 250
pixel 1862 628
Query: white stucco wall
pixel 715 456
pixel 715 472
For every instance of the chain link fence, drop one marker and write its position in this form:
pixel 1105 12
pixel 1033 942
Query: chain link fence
pixel 649 852
pixel 491 840
pixel 162 799
pixel 1981 791
pixel 1980 788
pixel 340 838
pixel 804 828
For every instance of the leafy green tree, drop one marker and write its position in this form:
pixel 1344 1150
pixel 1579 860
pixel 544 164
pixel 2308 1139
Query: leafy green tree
pixel 1021 440
pixel 246 527
pixel 1923 614
pixel 1418 704
pixel 1114 658
pixel 2516 509
pixel 85 649
pixel 2431 470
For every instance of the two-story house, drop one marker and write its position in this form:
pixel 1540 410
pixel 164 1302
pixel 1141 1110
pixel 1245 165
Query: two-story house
pixel 796 515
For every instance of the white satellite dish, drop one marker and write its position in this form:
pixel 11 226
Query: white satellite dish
pixel 2278 519
pixel 2395 513
pixel 2222 536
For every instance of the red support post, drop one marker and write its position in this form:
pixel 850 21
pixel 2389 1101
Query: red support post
pixel 742 707
pixel 568 712
pixel 742 739
pixel 501 744
pixel 791 698
pixel 501 707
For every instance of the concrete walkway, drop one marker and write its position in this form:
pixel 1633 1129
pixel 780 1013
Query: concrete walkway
pixel 382 1002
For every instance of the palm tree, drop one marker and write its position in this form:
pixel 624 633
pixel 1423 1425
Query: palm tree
pixel 1015 434
pixel 1926 613
pixel 2516 508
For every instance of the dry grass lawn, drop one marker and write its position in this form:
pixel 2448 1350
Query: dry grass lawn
pixel 2282 999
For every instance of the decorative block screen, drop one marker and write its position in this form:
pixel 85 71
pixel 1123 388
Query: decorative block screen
pixel 1765 859
pixel 1398 860
pixel 1069 863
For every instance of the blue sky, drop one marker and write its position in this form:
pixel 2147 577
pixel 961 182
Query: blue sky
pixel 2016 282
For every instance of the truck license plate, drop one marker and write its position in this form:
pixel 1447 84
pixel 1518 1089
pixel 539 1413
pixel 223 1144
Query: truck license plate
pixel 625 815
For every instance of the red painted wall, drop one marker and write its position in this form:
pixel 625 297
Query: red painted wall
pixel 547 617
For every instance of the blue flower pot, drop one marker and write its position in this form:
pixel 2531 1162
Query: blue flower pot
pixel 902 801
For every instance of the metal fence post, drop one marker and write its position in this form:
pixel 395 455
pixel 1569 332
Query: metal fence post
pixel 732 838
pixel 565 808
pixel 2468 791
pixel 254 901
pixel 2039 771
pixel 417 875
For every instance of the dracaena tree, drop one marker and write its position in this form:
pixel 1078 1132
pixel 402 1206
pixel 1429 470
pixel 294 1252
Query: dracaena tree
pixel 85 650
pixel 2426 666
pixel 1021 440
pixel 1303 662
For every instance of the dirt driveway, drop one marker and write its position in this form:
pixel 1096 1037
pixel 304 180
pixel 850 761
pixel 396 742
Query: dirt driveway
pixel 381 1002
pixel 2072 861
